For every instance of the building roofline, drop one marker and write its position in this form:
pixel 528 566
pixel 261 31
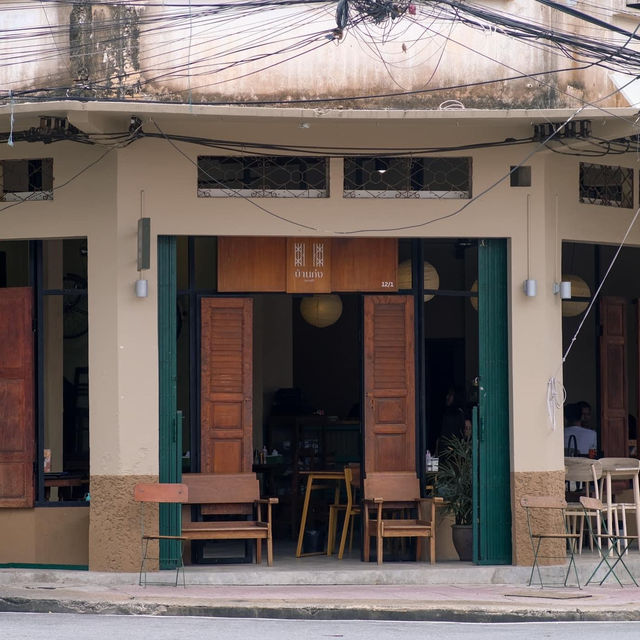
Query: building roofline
pixel 61 108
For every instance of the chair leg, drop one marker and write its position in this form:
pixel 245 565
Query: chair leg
pixel 180 566
pixel 343 537
pixel 332 530
pixel 258 550
pixel 379 530
pixel 535 565
pixel 572 561
pixel 351 535
pixel 269 551
pixel 145 545
pixel 366 544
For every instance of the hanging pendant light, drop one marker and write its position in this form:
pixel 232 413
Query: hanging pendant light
pixel 321 310
pixel 579 289
pixel 431 277
pixel 474 299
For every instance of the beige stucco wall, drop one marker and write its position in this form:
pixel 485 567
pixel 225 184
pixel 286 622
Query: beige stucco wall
pixel 116 527
pixel 103 202
pixel 550 483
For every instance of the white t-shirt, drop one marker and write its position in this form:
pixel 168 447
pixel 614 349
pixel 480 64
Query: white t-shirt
pixel 585 438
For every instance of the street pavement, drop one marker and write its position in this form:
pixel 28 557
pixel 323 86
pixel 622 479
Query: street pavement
pixel 321 588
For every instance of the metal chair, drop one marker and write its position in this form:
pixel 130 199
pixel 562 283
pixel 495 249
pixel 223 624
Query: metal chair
pixel 547 522
pixel 160 493
pixel 617 544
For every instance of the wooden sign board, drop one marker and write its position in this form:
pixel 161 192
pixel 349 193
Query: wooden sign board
pixel 308 265
pixel 364 264
pixel 251 264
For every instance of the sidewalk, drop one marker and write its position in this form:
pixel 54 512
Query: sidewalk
pixel 320 589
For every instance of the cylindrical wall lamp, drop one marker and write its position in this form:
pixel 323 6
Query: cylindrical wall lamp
pixel 530 288
pixel 142 288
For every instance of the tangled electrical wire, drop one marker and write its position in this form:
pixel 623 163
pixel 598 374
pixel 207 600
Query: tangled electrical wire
pixel 581 143
pixel 212 44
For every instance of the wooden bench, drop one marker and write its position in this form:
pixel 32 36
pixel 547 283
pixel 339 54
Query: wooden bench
pixel 229 494
pixel 235 494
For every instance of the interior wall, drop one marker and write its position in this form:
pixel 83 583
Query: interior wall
pixel 326 361
pixel 275 354
pixel 53 355
pixel 580 368
pixel 17 263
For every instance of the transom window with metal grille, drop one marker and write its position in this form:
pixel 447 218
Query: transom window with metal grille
pixel 262 177
pixel 606 185
pixel 26 179
pixel 372 177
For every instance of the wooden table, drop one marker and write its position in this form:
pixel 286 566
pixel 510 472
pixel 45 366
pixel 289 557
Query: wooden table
pixel 62 480
pixel 323 480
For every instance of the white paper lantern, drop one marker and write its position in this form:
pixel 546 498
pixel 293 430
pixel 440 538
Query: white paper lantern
pixel 474 299
pixel 321 310
pixel 579 289
pixel 431 277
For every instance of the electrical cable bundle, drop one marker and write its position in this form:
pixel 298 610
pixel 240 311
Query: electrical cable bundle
pixel 211 44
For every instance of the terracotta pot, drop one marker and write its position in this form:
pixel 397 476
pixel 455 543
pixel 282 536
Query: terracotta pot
pixel 462 535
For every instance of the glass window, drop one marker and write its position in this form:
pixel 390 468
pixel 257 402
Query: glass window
pixel 379 177
pixel 264 177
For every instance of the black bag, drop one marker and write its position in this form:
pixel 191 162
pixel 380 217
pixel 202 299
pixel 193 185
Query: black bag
pixel 571 450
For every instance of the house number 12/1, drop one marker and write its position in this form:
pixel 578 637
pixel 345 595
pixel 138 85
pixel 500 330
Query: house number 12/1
pixel 387 284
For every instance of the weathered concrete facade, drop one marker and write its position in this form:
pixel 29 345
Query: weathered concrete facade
pixel 420 60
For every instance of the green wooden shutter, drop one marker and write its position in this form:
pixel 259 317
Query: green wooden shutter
pixel 170 427
pixel 492 497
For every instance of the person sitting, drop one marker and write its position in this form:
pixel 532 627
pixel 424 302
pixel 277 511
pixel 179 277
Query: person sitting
pixel 585 439
pixel 585 413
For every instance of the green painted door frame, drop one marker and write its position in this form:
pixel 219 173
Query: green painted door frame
pixel 492 476
pixel 170 427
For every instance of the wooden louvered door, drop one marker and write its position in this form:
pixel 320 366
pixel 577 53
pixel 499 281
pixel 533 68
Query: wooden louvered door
pixel 226 385
pixel 389 384
pixel 17 433
pixel 613 378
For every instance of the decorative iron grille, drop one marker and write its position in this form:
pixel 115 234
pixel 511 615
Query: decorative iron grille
pixel 26 179
pixel 379 177
pixel 606 185
pixel 262 177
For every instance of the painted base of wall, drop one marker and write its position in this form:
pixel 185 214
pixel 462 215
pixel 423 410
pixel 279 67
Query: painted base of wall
pixel 45 536
pixel 114 533
pixel 539 483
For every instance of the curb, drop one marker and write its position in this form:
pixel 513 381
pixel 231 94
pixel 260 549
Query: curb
pixel 489 613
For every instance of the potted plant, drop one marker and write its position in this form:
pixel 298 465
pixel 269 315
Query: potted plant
pixel 455 486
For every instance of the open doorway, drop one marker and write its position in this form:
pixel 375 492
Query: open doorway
pixel 307 382
pixel 601 371
pixel 307 390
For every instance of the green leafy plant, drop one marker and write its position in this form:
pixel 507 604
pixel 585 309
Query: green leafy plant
pixel 454 482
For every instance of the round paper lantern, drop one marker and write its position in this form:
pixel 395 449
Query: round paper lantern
pixel 474 299
pixel 579 289
pixel 321 310
pixel 431 277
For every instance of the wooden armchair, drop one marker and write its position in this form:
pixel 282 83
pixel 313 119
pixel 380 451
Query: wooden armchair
pixel 398 491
